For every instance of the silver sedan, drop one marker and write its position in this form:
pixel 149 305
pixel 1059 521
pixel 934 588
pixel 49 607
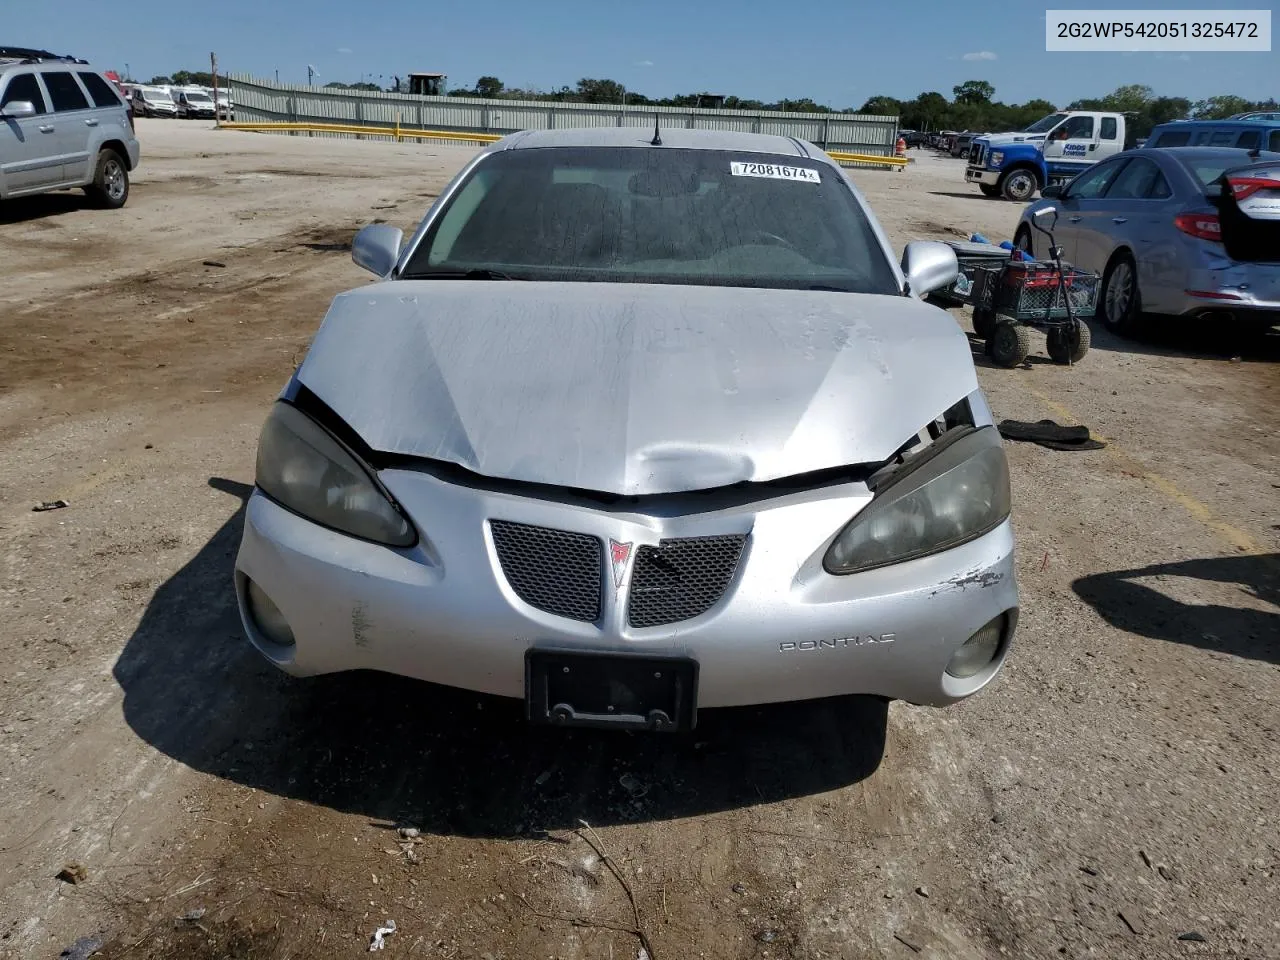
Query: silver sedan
pixel 636 423
pixel 1148 222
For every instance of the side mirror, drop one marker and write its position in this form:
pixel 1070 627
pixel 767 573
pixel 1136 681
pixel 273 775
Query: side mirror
pixel 929 265
pixel 1052 192
pixel 18 109
pixel 376 248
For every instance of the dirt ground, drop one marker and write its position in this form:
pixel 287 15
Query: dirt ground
pixel 1114 791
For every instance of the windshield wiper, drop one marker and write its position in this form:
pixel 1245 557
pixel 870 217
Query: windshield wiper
pixel 478 274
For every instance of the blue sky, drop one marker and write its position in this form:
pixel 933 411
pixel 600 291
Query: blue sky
pixel 839 53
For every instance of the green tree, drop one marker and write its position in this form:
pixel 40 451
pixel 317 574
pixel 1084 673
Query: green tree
pixel 188 78
pixel 974 92
pixel 160 81
pixel 882 106
pixel 1129 99
pixel 1223 105
pixel 599 91
pixel 926 112
pixel 363 85
pixel 489 87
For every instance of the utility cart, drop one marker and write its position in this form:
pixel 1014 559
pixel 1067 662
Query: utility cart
pixel 1054 297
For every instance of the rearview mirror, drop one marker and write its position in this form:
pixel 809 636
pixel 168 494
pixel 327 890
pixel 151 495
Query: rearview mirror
pixel 376 248
pixel 18 109
pixel 929 265
pixel 1052 192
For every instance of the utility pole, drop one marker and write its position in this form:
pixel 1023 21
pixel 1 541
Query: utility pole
pixel 213 68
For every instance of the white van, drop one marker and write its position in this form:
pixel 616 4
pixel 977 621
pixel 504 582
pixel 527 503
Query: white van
pixel 193 103
pixel 151 101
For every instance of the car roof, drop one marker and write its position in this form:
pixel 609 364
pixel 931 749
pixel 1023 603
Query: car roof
pixel 1185 155
pixel 675 137
pixel 1227 122
pixel 1200 151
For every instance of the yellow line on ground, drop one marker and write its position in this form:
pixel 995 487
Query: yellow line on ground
pixel 1232 535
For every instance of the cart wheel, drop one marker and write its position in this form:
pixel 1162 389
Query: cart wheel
pixel 984 322
pixel 1069 345
pixel 1009 344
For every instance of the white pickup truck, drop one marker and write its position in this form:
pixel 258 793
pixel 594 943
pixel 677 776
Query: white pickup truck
pixel 1052 150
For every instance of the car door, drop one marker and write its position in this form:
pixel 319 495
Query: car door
pixel 1133 212
pixel 29 155
pixel 75 119
pixel 1081 203
pixel 1069 148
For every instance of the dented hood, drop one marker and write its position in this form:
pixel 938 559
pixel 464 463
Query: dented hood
pixel 635 388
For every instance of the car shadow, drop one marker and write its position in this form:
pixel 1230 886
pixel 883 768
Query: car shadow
pixel 1141 609
pixel 445 760
pixel 978 348
pixel 42 205
pixel 1187 337
pixel 976 195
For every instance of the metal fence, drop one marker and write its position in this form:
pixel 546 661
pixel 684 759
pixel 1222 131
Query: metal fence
pixel 259 101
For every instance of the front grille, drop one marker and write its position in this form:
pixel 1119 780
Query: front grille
pixel 680 579
pixel 975 154
pixel 553 570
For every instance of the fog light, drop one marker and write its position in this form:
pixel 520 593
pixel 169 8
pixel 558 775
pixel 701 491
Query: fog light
pixel 978 651
pixel 267 617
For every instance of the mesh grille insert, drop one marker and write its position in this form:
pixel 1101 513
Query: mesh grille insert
pixel 553 570
pixel 680 579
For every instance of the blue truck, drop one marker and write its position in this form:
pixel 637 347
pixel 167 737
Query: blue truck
pixel 1052 150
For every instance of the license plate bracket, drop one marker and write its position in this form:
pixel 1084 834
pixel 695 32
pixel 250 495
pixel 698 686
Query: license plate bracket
pixel 619 691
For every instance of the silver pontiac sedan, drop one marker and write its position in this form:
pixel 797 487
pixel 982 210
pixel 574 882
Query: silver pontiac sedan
pixel 1149 221
pixel 634 424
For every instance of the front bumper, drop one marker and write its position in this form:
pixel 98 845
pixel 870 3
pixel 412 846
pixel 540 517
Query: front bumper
pixel 981 175
pixel 784 630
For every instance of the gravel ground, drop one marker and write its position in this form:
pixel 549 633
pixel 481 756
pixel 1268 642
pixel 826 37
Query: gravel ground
pixel 1113 792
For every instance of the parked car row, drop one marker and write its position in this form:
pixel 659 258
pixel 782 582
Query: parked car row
pixel 185 102
pixel 952 142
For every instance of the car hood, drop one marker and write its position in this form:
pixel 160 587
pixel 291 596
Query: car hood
pixel 635 389
pixel 1004 139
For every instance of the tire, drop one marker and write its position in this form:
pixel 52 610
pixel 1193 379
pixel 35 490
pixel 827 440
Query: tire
pixel 1009 344
pixel 110 187
pixel 1019 184
pixel 989 189
pixel 984 322
pixel 1121 311
pixel 1023 241
pixel 1069 345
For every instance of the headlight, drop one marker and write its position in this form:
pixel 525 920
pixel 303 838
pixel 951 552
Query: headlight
pixel 951 496
pixel 997 158
pixel 304 468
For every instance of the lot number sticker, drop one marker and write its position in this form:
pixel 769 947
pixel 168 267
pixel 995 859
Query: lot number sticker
pixel 774 172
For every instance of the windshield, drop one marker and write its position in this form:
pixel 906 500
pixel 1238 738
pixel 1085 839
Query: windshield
pixel 626 214
pixel 199 97
pixel 1045 124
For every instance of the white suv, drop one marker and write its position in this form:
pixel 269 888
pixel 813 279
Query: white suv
pixel 62 124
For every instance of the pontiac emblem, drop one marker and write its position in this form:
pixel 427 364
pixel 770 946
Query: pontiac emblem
pixel 619 555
